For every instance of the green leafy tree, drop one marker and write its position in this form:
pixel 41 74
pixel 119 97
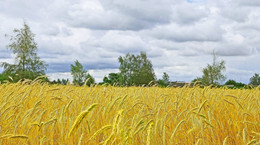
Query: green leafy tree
pixel 112 79
pixel 89 80
pixel 59 81
pixel 27 64
pixel 197 80
pixel 105 80
pixel 136 70
pixel 3 77
pixel 165 80
pixel 255 80
pixel 166 77
pixel 64 81
pixel 78 72
pixel 213 74
pixel 235 84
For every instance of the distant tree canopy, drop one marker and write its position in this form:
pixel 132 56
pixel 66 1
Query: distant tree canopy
pixel 3 77
pixel 80 75
pixel 197 80
pixel 213 74
pixel 89 80
pixel 27 64
pixel 235 84
pixel 60 81
pixel 164 81
pixel 78 72
pixel 112 79
pixel 136 70
pixel 255 80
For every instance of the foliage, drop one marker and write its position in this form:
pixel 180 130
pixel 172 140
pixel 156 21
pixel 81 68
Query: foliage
pixel 136 70
pixel 112 79
pixel 27 64
pixel 78 72
pixel 3 77
pixel 90 80
pixel 255 80
pixel 212 74
pixel 60 81
pixel 164 81
pixel 235 84
pixel 197 80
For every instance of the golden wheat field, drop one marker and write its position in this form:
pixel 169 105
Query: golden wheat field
pixel 56 114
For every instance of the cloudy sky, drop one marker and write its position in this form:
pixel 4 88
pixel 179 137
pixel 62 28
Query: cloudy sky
pixel 177 35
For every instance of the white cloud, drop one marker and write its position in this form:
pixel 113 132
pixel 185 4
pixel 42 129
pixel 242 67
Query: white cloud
pixel 205 30
pixel 187 13
pixel 117 42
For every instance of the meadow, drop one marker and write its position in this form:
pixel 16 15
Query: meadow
pixel 56 114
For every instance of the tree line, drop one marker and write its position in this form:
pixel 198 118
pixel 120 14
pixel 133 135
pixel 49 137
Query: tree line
pixel 135 70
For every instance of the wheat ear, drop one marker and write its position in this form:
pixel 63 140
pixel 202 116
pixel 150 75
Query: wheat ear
pixel 80 117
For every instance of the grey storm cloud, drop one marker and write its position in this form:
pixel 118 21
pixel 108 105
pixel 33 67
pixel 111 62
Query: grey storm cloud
pixel 177 35
pixel 249 3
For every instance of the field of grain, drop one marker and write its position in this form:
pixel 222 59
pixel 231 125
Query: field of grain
pixel 55 114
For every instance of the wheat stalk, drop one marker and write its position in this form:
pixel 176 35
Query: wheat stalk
pixel 80 117
pixel 115 127
pixel 19 136
pixel 149 132
pixel 100 131
pixel 176 128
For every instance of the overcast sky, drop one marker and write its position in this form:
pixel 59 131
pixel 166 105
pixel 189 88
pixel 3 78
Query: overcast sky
pixel 177 35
